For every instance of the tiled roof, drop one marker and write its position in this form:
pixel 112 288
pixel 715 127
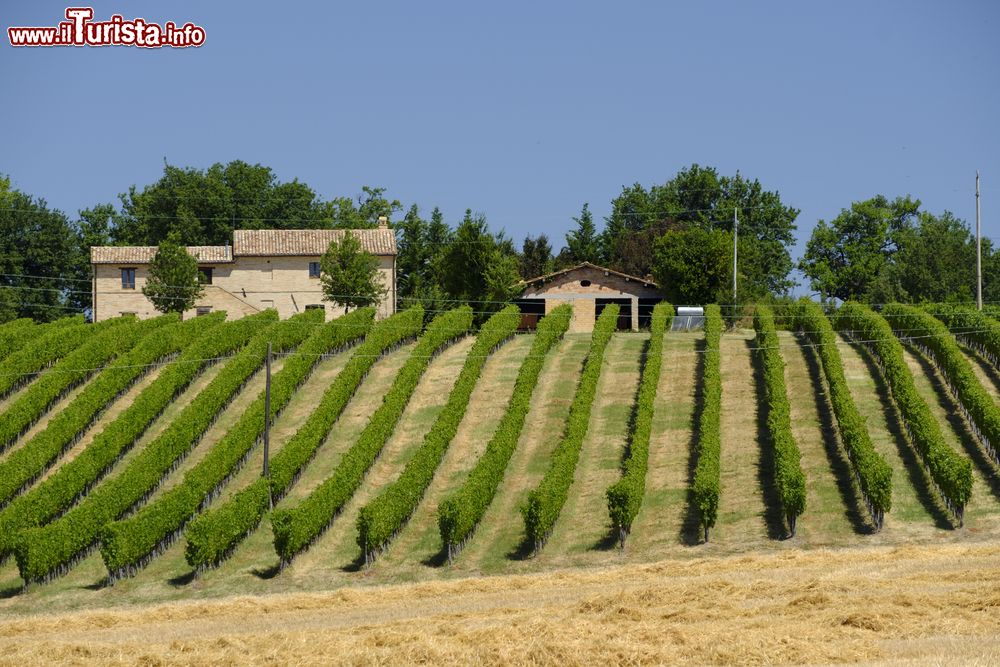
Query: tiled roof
pixel 588 265
pixel 143 254
pixel 271 242
pixel 256 243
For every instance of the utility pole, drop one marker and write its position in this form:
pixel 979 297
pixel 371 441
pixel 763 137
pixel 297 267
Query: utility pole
pixel 267 422
pixel 979 251
pixel 736 225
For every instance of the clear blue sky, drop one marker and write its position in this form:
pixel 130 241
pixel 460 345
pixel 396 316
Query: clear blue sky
pixel 522 111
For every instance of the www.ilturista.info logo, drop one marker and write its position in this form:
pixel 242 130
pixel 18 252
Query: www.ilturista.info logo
pixel 81 30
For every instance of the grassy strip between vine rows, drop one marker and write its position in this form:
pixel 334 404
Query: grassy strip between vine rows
pixel 104 343
pixel 706 484
pixel 546 501
pixel 387 513
pixel 213 535
pixel 460 513
pixel 973 327
pixel 298 527
pixel 625 495
pixel 74 478
pixel 137 347
pixel 47 343
pixel 129 544
pixel 931 334
pixel 51 550
pixel 950 471
pixel 872 472
pixel 788 476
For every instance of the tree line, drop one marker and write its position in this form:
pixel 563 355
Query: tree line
pixel 679 233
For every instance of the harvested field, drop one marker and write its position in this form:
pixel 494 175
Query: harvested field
pixel 883 605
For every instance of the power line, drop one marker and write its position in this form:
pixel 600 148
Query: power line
pixel 796 344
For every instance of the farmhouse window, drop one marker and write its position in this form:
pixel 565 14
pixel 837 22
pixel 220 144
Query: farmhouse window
pixel 205 275
pixel 314 269
pixel 584 283
pixel 128 278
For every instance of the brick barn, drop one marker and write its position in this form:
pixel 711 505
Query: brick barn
pixel 589 288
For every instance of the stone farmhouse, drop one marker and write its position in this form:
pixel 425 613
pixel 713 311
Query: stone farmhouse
pixel 590 288
pixel 263 268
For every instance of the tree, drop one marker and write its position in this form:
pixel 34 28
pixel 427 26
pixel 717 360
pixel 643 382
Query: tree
pixel 582 243
pixel 846 257
pixel 414 253
pixel 93 228
pixel 173 284
pixel 371 205
pixel 466 259
pixel 38 250
pixel 695 266
pixel 501 278
pixel 536 257
pixel 204 206
pixel 350 275
pixel 934 260
pixel 698 197
pixel 478 266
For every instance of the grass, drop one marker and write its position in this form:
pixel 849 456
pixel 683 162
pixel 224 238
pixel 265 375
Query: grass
pixel 419 543
pixel 584 525
pixel 663 520
pixel 501 531
pixel 893 606
pixel 829 530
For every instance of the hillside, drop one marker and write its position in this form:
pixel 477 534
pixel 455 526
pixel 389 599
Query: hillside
pixel 665 529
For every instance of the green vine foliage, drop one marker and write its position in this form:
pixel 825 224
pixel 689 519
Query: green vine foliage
pixel 461 512
pixel 546 501
pixel 139 346
pixel 932 335
pixel 297 527
pixel 706 484
pixel 380 520
pixel 48 551
pixel 872 472
pixel 788 476
pixel 39 346
pixel 73 479
pixel 129 544
pixel 974 327
pixel 950 471
pixel 213 535
pixel 625 495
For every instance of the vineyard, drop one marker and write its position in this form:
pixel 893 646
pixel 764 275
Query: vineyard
pixel 433 446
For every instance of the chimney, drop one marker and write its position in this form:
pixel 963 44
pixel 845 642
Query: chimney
pixel 383 222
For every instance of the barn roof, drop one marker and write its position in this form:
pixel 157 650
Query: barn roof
pixel 645 282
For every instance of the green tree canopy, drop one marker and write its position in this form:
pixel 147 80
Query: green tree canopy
pixel 371 205
pixel 695 266
pixel 582 242
pixel 204 206
pixel 39 258
pixel 536 257
pixel 173 284
pixel 350 274
pixel 478 265
pixel 880 251
pixel 698 197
